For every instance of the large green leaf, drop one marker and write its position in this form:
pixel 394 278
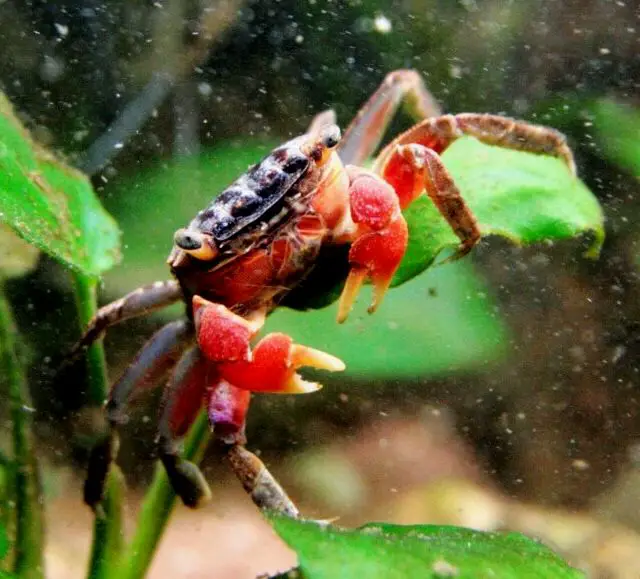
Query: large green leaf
pixel 51 205
pixel 426 551
pixel 524 197
pixel 442 322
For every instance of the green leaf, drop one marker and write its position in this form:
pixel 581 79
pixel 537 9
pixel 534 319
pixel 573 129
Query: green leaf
pixel 524 197
pixel 51 205
pixel 415 332
pixel 617 130
pixel 426 551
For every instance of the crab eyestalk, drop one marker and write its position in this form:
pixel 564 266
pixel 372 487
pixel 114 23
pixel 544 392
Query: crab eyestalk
pixel 195 243
pixel 321 145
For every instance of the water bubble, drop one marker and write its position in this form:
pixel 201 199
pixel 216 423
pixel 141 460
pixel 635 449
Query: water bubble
pixel 382 24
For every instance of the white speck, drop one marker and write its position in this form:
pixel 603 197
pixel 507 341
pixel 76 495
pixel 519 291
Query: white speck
pixel 62 29
pixel 80 135
pixel 604 51
pixel 618 352
pixel 455 71
pixel 382 24
pixel 118 146
pixel 205 89
pixel 580 464
pixel 299 39
pixel 52 68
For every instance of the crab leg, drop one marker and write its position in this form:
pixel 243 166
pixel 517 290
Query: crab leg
pixel 260 484
pixel 414 169
pixel 195 380
pixel 155 357
pixel 227 407
pixel 365 132
pixel 182 400
pixel 158 354
pixel 438 133
pixel 137 303
pixel 412 163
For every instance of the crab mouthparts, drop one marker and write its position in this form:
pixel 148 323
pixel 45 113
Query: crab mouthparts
pixel 197 244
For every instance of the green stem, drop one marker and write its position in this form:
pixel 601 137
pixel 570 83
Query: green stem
pixel 108 538
pixel 29 543
pixel 157 507
pixel 107 529
pixel 86 303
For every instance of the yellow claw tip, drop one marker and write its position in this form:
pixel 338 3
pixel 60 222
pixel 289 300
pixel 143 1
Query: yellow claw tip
pixel 297 385
pixel 341 318
pixel 305 356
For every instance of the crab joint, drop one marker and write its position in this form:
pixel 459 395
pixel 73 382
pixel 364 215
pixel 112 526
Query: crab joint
pixel 263 488
pixel 195 243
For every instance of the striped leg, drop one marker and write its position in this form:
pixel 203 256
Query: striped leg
pixel 365 132
pixel 153 360
pixel 137 303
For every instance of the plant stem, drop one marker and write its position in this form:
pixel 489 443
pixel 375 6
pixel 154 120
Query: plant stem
pixel 86 303
pixel 157 506
pixel 29 542
pixel 107 529
pixel 108 539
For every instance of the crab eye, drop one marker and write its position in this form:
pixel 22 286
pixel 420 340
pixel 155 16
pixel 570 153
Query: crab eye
pixel 331 136
pixel 187 240
pixel 196 244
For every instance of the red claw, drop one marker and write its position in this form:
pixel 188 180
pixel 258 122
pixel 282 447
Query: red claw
pixel 224 338
pixel 379 241
pixel 273 367
pixel 222 335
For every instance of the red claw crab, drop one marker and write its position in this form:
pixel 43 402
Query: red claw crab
pixel 240 257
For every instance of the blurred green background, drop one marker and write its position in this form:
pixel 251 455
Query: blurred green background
pixel 531 352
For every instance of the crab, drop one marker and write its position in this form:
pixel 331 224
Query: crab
pixel 262 239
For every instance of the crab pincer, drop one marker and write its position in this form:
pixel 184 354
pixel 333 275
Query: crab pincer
pixel 225 338
pixel 380 238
